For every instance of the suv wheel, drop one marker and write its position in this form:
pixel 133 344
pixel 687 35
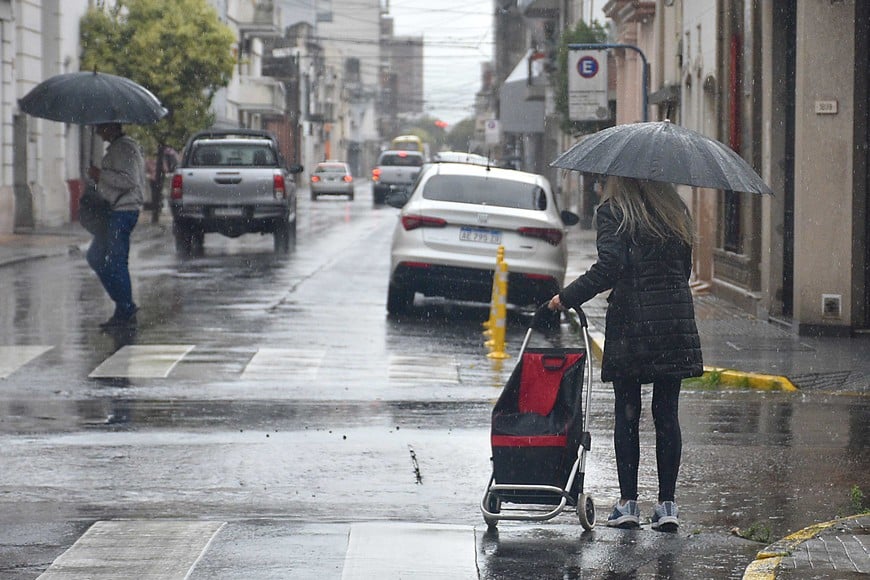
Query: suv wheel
pixel 282 235
pixel 188 240
pixel 399 299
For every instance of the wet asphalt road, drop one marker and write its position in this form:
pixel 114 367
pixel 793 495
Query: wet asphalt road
pixel 297 412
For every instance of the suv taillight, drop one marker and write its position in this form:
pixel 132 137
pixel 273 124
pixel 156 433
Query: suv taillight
pixel 550 235
pixel 376 174
pixel 176 191
pixel 412 222
pixel 278 186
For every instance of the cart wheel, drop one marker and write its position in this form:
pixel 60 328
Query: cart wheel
pixel 586 511
pixel 493 506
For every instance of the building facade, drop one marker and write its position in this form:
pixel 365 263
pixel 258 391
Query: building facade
pixel 785 84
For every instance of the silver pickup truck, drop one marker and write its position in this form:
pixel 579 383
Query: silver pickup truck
pixel 232 182
pixel 395 170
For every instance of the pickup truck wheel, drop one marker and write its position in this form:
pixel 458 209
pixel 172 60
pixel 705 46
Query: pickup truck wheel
pixel 282 237
pixel 313 196
pixel 399 299
pixel 184 239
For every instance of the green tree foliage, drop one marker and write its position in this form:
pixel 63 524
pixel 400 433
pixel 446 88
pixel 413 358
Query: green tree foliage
pixel 461 135
pixel 582 33
pixel 178 49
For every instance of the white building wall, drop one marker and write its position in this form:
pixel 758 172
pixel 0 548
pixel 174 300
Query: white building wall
pixel 354 32
pixel 699 112
pixel 38 39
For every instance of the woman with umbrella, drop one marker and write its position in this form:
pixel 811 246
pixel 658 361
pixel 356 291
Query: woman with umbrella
pixel 644 242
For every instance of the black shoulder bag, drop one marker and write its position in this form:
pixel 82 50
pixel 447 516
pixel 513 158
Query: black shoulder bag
pixel 94 211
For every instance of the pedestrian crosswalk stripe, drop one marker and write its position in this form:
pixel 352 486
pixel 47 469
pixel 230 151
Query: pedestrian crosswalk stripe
pixel 14 357
pixel 424 369
pixel 283 364
pixel 142 361
pixel 166 549
pixel 395 550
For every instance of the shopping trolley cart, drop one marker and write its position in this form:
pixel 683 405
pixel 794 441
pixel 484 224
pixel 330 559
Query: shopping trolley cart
pixel 539 436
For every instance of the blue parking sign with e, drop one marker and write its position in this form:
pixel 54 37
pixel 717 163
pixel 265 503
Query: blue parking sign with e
pixel 587 67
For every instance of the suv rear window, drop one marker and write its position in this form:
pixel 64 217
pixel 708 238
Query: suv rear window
pixel 330 168
pixel 485 191
pixel 401 160
pixel 232 155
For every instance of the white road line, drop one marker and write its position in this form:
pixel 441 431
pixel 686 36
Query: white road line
pixel 13 358
pixel 424 369
pixel 153 549
pixel 284 363
pixel 142 361
pixel 389 551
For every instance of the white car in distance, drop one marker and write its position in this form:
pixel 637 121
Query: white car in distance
pixel 446 240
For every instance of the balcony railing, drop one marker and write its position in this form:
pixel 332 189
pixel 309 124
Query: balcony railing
pixel 539 8
pixel 263 95
pixel 261 18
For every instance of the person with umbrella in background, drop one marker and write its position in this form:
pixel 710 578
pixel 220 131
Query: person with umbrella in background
pixel 121 180
pixel 106 101
pixel 644 241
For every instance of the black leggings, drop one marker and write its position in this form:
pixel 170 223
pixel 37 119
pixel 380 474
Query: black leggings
pixel 626 438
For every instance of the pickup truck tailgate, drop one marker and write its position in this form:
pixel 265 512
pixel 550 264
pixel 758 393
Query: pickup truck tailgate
pixel 230 186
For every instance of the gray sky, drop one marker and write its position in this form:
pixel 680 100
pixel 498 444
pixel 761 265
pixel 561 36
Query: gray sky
pixel 457 36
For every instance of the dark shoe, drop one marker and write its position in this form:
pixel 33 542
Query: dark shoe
pixel 666 517
pixel 117 321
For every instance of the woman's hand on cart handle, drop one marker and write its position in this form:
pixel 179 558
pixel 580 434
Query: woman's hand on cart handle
pixel 555 303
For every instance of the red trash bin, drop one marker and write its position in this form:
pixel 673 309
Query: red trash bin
pixel 75 187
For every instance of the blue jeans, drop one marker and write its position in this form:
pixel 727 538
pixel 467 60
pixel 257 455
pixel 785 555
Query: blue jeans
pixel 108 256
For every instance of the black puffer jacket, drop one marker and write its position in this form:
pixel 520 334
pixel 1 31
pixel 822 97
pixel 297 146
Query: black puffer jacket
pixel 650 328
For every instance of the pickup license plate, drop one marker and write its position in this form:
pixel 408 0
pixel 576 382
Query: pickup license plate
pixel 480 235
pixel 227 212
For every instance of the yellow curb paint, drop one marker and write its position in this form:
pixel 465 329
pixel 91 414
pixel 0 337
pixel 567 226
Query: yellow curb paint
pixel 762 569
pixel 767 560
pixel 732 378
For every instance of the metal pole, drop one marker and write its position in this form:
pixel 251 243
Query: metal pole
pixel 645 71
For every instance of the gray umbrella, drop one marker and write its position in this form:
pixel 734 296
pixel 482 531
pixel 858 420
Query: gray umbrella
pixel 91 98
pixel 662 151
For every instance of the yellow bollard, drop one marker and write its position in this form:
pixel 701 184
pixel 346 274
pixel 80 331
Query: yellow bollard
pixel 498 328
pixel 488 324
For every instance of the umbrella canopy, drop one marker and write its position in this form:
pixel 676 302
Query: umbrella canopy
pixel 662 151
pixel 92 98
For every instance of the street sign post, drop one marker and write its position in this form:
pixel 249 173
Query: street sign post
pixel 587 86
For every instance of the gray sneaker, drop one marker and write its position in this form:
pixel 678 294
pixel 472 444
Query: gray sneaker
pixel 624 516
pixel 666 517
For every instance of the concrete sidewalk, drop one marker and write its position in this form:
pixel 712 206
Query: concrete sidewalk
pixel 739 351
pixel 742 351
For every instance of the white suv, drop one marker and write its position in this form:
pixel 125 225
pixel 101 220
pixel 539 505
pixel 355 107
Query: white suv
pixel 448 233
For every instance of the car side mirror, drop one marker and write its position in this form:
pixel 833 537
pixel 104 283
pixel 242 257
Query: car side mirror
pixel 569 218
pixel 295 168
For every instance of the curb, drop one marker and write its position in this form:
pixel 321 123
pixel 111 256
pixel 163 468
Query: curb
pixel 716 376
pixel 767 561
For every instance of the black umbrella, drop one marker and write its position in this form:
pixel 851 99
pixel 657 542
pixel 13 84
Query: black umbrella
pixel 662 151
pixel 91 98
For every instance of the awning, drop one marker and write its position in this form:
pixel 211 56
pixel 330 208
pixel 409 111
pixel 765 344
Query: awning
pixel 521 108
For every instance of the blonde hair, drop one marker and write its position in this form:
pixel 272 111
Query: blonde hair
pixel 653 208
